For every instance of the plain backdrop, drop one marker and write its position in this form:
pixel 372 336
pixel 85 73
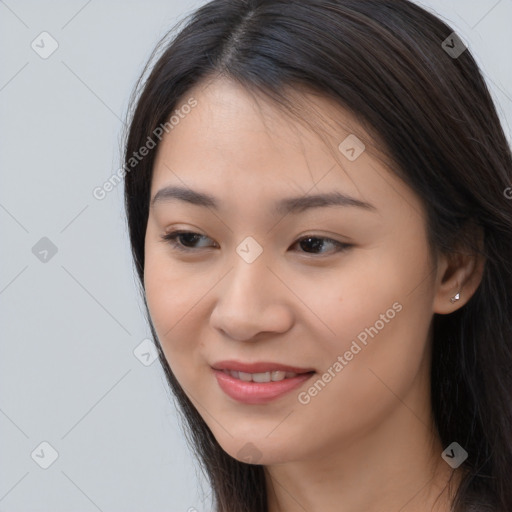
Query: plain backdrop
pixel 77 392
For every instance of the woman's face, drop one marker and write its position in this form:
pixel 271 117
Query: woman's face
pixel 353 301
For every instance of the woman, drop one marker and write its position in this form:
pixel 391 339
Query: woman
pixel 318 200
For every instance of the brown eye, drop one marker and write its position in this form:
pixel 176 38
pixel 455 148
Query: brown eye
pixel 311 244
pixel 183 240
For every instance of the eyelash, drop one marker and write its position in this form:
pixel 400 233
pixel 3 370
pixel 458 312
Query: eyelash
pixel 171 237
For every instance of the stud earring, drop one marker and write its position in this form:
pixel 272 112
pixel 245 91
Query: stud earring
pixel 456 298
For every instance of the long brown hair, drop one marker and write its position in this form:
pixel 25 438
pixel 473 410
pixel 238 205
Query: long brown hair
pixel 389 63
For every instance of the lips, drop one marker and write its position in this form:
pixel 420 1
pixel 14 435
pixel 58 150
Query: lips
pixel 258 392
pixel 258 383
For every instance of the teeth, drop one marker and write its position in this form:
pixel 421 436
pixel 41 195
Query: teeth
pixel 279 375
pixel 247 377
pixel 261 377
pixel 273 376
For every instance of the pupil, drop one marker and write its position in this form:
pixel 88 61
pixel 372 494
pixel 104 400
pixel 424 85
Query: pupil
pixel 316 244
pixel 189 236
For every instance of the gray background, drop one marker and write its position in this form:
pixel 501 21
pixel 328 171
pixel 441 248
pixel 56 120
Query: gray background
pixel 70 323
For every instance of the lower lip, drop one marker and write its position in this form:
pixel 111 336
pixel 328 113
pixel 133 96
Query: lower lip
pixel 257 392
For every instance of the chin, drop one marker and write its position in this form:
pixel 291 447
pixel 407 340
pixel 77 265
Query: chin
pixel 260 452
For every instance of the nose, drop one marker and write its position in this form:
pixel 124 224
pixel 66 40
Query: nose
pixel 251 300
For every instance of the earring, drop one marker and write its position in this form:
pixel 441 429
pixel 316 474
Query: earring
pixel 456 298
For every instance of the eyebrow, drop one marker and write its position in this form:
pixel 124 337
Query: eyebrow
pixel 289 205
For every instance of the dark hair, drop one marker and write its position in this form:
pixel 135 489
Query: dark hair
pixel 384 62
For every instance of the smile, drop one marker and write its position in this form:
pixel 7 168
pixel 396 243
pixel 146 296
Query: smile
pixel 258 388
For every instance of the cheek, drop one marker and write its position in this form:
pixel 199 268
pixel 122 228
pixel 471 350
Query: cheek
pixel 176 301
pixel 170 300
pixel 379 314
pixel 167 308
pixel 383 293
pixel 347 302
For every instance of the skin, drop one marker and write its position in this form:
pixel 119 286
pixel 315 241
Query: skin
pixel 365 441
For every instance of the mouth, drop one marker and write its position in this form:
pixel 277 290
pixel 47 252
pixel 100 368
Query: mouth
pixel 258 383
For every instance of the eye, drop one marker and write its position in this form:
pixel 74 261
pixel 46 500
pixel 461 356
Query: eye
pixel 317 242
pixel 185 241
pixel 188 237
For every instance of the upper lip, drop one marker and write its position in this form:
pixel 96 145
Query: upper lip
pixel 259 367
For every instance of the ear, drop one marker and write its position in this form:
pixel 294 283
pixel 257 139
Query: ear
pixel 459 272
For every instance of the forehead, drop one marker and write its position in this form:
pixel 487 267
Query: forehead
pixel 237 145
